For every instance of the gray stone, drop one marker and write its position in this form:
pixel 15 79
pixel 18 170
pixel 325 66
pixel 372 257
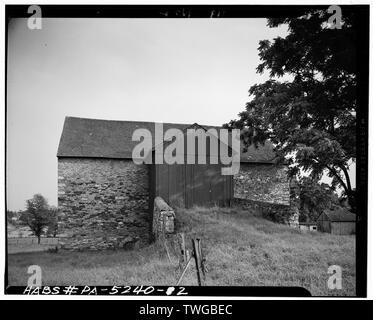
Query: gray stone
pixel 94 211
pixel 163 218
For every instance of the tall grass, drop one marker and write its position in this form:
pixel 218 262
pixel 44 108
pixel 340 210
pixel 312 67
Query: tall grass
pixel 241 249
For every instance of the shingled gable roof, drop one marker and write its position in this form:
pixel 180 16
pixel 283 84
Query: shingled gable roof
pixel 93 138
pixel 340 215
pixel 197 126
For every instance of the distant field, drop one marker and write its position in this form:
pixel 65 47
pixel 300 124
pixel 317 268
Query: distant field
pixel 241 250
pixel 30 244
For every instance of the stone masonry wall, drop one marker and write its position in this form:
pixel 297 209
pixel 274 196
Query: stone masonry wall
pixel 266 183
pixel 280 213
pixel 163 219
pixel 104 203
pixel 266 189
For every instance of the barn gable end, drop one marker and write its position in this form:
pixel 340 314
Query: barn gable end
pixel 339 221
pixel 104 203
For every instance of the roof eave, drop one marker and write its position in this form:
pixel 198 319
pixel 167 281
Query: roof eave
pixel 130 158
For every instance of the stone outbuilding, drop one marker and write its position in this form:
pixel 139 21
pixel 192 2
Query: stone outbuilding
pixel 106 200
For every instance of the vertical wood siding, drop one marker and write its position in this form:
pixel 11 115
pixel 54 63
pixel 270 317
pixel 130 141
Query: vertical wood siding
pixel 191 184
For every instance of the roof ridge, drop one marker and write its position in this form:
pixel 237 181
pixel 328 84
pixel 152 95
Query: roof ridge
pixel 141 121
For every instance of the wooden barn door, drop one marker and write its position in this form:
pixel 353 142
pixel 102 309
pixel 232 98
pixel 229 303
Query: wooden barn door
pixel 205 186
pixel 192 184
pixel 197 186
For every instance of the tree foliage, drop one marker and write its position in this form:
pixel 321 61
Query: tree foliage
pixel 37 215
pixel 311 118
pixel 314 198
pixel 10 215
pixel 53 222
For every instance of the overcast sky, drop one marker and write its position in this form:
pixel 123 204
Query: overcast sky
pixel 163 70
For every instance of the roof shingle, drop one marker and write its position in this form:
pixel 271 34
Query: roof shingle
pixel 340 215
pixel 94 138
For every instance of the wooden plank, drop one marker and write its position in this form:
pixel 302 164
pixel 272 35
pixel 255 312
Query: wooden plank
pixel 163 182
pixel 202 259
pixel 176 189
pixel 182 247
pixel 189 185
pixel 171 184
pixel 185 269
pixel 197 260
pixel 198 192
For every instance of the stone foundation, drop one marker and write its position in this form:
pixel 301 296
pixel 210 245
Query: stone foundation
pixel 279 213
pixel 103 203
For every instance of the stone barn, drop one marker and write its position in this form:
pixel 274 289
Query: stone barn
pixel 339 221
pixel 106 200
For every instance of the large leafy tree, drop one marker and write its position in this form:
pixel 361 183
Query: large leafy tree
pixel 311 116
pixel 37 215
pixel 314 198
pixel 52 222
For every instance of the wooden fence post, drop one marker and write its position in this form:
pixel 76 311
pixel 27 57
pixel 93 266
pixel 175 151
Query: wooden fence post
pixel 197 254
pixel 185 269
pixel 164 239
pixel 197 259
pixel 202 259
pixel 182 248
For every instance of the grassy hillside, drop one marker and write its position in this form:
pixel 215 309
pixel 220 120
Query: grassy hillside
pixel 241 249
